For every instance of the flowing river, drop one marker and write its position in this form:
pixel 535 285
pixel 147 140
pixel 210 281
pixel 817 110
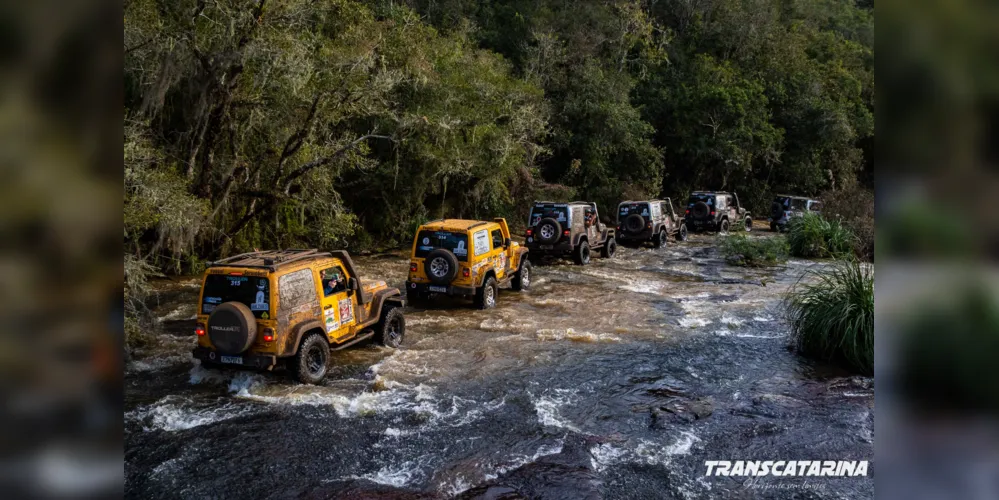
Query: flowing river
pixel 614 380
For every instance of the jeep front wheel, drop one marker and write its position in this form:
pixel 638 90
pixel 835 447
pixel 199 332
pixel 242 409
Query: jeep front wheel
pixel 392 327
pixel 312 360
pixel 749 224
pixel 610 248
pixel 582 254
pixel 522 280
pixel 681 234
pixel 485 297
pixel 723 226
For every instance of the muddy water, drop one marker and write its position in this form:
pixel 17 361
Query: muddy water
pixel 614 380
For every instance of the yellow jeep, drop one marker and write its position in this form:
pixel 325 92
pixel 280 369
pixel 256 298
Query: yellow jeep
pixel 466 258
pixel 261 308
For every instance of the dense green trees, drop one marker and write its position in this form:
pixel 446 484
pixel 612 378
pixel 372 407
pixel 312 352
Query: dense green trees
pixel 280 123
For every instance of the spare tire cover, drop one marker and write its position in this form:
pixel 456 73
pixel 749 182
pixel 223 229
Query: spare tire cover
pixel 776 210
pixel 634 223
pixel 232 327
pixel 441 266
pixel 701 209
pixel 548 230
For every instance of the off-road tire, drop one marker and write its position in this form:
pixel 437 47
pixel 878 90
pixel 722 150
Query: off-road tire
pixel 610 248
pixel 582 253
pixel 485 296
pixel 659 240
pixel 700 210
pixel 776 210
pixel 522 280
pixel 391 329
pixel 237 328
pixel 441 266
pixel 681 233
pixel 723 226
pixel 749 224
pixel 311 362
pixel 540 231
pixel 633 223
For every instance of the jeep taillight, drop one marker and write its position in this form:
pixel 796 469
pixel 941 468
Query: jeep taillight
pixel 464 272
pixel 412 267
pixel 712 212
pixel 687 212
pixel 565 233
pixel 199 330
pixel 268 335
pixel 530 232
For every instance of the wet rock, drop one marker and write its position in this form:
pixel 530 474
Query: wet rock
pixel 680 411
pixel 493 492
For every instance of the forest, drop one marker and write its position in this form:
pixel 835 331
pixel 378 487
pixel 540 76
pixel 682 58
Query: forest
pixel 346 123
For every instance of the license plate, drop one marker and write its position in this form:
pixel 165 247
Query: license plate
pixel 547 247
pixel 441 289
pixel 232 360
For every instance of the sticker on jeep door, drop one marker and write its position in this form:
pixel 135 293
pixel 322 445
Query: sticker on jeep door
pixel 332 323
pixel 346 311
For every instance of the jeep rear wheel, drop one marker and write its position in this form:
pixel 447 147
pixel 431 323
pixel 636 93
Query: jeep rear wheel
pixel 610 248
pixel 392 327
pixel 582 254
pixel 485 297
pixel 659 240
pixel 522 280
pixel 312 360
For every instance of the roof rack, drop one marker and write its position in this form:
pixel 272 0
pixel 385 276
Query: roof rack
pixel 477 224
pixel 269 259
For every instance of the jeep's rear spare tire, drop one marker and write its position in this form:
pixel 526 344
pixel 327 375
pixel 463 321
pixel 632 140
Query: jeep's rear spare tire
pixel 548 230
pixel 634 223
pixel 701 210
pixel 232 327
pixel 441 266
pixel 776 210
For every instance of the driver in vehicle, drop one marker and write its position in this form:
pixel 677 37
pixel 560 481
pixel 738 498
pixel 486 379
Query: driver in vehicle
pixel 332 280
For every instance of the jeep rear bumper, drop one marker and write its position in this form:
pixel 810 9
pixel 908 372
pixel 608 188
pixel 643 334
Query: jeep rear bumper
pixel 561 248
pixel 428 288
pixel 645 234
pixel 698 224
pixel 258 361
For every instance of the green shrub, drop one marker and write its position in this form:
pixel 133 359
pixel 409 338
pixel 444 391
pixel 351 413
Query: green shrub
pixel 832 318
pixel 743 250
pixel 947 351
pixel 814 236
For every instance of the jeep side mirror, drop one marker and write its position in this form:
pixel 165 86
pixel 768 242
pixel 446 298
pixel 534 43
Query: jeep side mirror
pixel 352 284
pixel 506 242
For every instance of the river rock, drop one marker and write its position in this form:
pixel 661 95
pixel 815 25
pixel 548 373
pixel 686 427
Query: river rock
pixel 681 411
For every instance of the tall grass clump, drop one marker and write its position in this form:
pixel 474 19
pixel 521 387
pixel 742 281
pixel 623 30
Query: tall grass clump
pixel 814 236
pixel 743 250
pixel 832 318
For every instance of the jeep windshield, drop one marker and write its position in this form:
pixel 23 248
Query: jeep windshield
pixel 428 241
pixel 627 209
pixel 698 197
pixel 557 212
pixel 252 291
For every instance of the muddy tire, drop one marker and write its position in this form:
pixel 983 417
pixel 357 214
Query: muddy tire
pixel 773 226
pixel 723 226
pixel 681 234
pixel 392 328
pixel 312 360
pixel 634 223
pixel 701 210
pixel 749 224
pixel 441 266
pixel 582 254
pixel 610 248
pixel 548 231
pixel 522 280
pixel 659 240
pixel 485 296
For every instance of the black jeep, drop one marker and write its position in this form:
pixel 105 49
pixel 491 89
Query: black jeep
pixel 715 211
pixel 652 220
pixel 568 229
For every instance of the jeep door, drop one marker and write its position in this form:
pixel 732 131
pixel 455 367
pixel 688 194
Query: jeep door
pixel 484 254
pixel 666 207
pixel 591 223
pixel 502 260
pixel 339 305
